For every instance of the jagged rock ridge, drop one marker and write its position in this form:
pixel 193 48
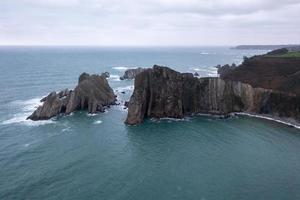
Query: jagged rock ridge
pixel 92 93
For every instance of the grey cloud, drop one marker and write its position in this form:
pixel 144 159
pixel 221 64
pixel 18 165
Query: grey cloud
pixel 145 22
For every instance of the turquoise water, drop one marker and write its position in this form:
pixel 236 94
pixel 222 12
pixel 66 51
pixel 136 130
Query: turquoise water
pixel 98 157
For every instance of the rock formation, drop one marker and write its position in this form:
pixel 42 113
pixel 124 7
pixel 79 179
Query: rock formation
pixel 131 73
pixel 162 92
pixel 92 93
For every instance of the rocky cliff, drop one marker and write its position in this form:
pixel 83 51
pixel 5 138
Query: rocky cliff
pixel 162 92
pixel 92 93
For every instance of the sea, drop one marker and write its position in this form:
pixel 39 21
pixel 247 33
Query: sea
pixel 84 157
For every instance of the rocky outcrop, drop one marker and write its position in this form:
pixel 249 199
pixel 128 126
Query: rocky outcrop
pixel 131 73
pixel 92 93
pixel 106 74
pixel 162 92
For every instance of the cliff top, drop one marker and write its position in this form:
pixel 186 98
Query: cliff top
pixel 278 70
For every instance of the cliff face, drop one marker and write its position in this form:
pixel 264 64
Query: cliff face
pixel 91 93
pixel 161 92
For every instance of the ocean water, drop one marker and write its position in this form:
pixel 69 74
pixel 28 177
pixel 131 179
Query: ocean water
pixel 85 156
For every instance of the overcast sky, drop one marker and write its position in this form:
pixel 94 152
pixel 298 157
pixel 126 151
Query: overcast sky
pixel 149 22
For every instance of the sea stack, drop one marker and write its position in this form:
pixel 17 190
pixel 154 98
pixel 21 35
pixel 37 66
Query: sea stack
pixel 162 92
pixel 92 93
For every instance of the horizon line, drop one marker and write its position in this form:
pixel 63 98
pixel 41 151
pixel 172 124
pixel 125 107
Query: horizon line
pixel 141 46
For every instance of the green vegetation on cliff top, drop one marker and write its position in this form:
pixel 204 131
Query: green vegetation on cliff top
pixel 295 54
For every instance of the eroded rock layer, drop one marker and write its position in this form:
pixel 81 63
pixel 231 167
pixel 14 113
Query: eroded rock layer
pixel 162 92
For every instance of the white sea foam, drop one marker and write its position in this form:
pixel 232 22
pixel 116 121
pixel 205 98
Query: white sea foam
pixel 120 107
pixel 168 119
pixel 271 119
pixel 120 68
pixel 21 119
pixel 24 109
pixel 92 114
pixel 26 145
pixel 205 53
pixel 66 129
pixel 128 88
pixel 206 71
pixel 27 105
pixel 97 122
pixel 114 77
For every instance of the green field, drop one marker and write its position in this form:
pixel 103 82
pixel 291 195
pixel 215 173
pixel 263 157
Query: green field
pixel 287 55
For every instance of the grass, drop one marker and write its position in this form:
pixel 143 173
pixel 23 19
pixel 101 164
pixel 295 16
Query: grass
pixel 295 54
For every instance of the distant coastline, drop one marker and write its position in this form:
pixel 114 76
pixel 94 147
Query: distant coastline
pixel 293 47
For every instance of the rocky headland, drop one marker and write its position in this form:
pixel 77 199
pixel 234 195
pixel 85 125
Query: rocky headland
pixel 162 92
pixel 92 93
pixel 276 70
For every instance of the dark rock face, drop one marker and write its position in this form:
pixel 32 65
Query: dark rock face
pixel 131 73
pixel 162 92
pixel 92 93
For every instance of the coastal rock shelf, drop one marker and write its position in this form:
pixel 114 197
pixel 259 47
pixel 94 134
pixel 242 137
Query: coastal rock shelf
pixel 162 92
pixel 92 93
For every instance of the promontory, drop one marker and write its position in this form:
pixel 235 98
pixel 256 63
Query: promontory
pixel 267 85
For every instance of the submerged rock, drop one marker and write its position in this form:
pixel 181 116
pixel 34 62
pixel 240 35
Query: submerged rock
pixel 162 92
pixel 92 93
pixel 131 73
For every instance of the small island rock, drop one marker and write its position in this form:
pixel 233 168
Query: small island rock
pixel 92 93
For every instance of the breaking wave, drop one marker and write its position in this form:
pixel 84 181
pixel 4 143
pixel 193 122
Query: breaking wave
pixel 120 68
pixel 271 119
pixel 114 77
pixel 24 109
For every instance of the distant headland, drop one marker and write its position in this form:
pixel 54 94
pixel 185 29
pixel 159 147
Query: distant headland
pixel 292 47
